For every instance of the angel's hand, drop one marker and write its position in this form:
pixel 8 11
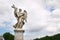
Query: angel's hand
pixel 13 6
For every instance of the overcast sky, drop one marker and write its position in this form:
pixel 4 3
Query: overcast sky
pixel 43 17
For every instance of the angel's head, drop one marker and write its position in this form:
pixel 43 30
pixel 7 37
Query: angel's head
pixel 25 11
pixel 20 10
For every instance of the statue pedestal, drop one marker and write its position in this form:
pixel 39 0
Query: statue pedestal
pixel 18 34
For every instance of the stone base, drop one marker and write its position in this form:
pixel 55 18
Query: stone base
pixel 18 34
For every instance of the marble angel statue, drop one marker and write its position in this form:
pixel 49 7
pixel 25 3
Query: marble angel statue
pixel 20 16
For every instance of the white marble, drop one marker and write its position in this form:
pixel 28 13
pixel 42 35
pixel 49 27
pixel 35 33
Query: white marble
pixel 18 34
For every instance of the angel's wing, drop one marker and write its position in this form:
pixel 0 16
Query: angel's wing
pixel 25 15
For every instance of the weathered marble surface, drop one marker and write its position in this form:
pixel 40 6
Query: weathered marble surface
pixel 18 34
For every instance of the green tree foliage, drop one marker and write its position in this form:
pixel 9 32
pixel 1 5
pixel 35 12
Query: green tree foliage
pixel 8 36
pixel 36 39
pixel 55 37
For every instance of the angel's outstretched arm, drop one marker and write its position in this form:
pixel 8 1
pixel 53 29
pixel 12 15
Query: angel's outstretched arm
pixel 15 10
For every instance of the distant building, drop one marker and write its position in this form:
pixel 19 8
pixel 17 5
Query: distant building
pixel 1 37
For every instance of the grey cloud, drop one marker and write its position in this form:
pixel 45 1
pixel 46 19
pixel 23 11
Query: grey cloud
pixel 35 30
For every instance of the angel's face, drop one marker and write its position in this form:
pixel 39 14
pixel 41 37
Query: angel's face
pixel 20 10
pixel 25 11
